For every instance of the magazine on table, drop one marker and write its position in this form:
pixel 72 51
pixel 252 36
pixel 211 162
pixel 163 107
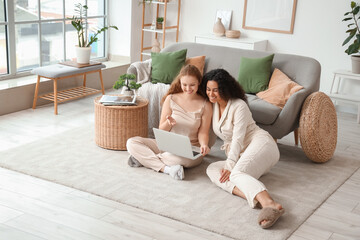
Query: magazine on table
pixel 123 100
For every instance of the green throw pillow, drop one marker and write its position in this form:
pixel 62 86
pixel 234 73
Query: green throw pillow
pixel 255 73
pixel 166 66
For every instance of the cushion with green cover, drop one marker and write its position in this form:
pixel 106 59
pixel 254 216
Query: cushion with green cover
pixel 166 66
pixel 255 73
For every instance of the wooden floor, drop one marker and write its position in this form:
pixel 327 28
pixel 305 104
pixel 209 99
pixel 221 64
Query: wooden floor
pixel 31 208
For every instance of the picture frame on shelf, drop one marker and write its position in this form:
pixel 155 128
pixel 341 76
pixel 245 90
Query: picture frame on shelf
pixel 225 16
pixel 271 15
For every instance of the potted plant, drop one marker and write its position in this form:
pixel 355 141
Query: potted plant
pixel 127 84
pixel 354 31
pixel 159 22
pixel 83 49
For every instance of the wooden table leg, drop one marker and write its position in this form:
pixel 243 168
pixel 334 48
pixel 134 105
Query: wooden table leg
pixel 36 92
pixel 296 136
pixel 55 97
pixel 84 80
pixel 101 81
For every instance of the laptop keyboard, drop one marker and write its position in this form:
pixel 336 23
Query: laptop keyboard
pixel 195 153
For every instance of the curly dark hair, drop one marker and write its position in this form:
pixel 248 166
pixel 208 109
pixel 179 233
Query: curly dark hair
pixel 228 87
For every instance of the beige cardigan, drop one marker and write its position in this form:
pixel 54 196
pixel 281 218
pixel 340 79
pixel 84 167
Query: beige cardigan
pixel 236 128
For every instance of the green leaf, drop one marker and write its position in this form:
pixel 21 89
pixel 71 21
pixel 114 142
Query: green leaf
pixel 347 19
pixel 353 4
pixel 356 10
pixel 347 13
pixel 353 48
pixel 351 24
pixel 348 39
pixel 134 85
pixel 351 31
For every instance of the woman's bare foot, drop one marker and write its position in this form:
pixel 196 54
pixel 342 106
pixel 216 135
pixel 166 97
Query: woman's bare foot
pixel 267 202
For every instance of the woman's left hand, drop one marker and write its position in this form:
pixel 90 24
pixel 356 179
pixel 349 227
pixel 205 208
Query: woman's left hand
pixel 204 149
pixel 225 174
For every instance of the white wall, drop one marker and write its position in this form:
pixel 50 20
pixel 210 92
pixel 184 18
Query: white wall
pixel 318 31
pixel 119 12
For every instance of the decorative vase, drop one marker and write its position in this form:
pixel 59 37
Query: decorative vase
pixel 355 64
pixel 83 54
pixel 155 46
pixel 219 29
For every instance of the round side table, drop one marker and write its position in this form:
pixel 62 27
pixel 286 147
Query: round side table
pixel 114 125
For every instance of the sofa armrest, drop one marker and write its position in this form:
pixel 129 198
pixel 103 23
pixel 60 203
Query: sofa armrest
pixel 290 114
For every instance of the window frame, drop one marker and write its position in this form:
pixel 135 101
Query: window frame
pixel 10 23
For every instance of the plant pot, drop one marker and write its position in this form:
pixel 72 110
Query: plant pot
pixel 159 25
pixel 83 54
pixel 126 92
pixel 355 64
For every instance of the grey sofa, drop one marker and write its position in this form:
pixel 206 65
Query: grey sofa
pixel 303 70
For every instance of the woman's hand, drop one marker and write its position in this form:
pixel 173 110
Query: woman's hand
pixel 224 175
pixel 170 120
pixel 204 149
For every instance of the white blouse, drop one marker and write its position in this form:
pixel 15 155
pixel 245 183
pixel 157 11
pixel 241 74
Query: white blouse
pixel 236 128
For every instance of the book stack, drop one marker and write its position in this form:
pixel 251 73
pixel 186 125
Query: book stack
pixel 121 100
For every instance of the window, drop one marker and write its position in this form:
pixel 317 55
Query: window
pixel 37 33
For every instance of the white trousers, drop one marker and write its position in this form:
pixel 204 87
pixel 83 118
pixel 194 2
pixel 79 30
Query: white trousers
pixel 146 151
pixel 257 159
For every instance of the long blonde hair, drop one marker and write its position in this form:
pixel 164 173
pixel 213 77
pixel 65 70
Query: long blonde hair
pixel 187 70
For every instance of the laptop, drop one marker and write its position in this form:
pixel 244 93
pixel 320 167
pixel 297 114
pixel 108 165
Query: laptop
pixel 176 144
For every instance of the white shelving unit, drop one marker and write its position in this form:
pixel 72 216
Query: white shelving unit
pixel 243 43
pixel 146 27
pixel 341 75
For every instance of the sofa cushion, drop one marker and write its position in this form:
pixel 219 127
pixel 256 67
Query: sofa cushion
pixel 262 111
pixel 281 87
pixel 254 74
pixel 198 62
pixel 166 66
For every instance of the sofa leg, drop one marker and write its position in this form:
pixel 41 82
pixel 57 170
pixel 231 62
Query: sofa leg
pixel 318 127
pixel 296 136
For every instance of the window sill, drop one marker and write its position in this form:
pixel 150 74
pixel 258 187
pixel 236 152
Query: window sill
pixel 31 79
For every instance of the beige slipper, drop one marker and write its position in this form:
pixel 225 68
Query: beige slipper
pixel 271 215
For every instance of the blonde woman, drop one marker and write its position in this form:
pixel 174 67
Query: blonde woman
pixel 184 111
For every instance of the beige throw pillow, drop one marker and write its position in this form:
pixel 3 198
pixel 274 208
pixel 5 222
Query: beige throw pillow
pixel 281 87
pixel 198 62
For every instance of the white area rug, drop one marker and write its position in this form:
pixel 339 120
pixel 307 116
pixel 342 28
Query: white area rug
pixel 72 159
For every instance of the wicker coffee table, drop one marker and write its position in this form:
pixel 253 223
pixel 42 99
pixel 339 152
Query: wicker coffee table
pixel 114 125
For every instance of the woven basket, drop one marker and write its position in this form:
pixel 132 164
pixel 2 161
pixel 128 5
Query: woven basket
pixel 318 127
pixel 232 33
pixel 114 125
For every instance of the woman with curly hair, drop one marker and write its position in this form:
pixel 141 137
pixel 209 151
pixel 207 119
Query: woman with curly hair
pixel 184 111
pixel 250 150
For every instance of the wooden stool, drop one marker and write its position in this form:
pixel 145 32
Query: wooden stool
pixel 114 125
pixel 57 72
